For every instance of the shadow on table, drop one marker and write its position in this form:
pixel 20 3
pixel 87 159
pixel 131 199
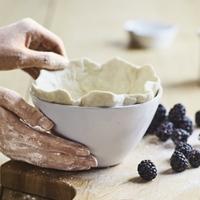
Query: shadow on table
pixel 152 139
pixel 137 180
pixel 167 172
pixel 126 46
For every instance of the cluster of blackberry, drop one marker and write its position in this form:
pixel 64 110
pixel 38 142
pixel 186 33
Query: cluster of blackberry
pixel 177 127
pixel 183 156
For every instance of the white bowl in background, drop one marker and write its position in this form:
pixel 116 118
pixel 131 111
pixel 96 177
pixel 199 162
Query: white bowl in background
pixel 110 133
pixel 149 34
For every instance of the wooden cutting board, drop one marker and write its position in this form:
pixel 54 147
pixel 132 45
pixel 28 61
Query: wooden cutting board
pixel 21 181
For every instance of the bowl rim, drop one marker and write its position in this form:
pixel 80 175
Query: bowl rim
pixel 158 96
pixel 165 28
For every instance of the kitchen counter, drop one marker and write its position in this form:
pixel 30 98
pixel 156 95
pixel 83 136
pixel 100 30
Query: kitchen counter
pixel 94 29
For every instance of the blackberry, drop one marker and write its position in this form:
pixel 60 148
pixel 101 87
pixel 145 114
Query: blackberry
pixel 194 158
pixel 197 118
pixel 147 170
pixel 160 113
pixel 177 113
pixel 152 128
pixel 184 148
pixel 179 162
pixel 185 123
pixel 164 131
pixel 158 118
pixel 179 135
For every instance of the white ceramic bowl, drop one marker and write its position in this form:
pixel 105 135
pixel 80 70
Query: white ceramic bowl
pixel 150 33
pixel 110 133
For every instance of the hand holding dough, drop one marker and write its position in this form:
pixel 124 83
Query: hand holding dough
pixel 19 141
pixel 29 46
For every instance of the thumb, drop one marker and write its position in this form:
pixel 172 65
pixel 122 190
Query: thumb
pixel 44 60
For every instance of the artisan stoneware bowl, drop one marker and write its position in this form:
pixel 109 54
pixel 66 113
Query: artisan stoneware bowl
pixel 110 133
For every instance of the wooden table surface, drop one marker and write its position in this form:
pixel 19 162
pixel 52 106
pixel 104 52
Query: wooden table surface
pixel 94 29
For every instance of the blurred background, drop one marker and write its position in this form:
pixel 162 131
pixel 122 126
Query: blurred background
pixel 95 29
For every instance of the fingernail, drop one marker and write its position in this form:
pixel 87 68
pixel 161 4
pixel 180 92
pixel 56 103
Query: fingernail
pixel 45 123
pixel 93 161
pixel 82 152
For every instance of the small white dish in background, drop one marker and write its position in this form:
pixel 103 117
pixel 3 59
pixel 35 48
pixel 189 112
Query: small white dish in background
pixel 110 133
pixel 150 34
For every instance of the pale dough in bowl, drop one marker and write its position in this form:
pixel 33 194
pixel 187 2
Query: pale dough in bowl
pixel 86 83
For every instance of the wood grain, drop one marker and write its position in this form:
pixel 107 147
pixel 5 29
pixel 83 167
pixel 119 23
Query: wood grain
pixel 9 194
pixel 95 29
pixel 25 178
pixel 115 183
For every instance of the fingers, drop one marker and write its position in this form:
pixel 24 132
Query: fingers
pixel 43 60
pixel 28 44
pixel 86 162
pixel 20 142
pixel 56 143
pixel 51 42
pixel 48 40
pixel 70 164
pixel 52 161
pixel 67 146
pixel 16 104
pixel 40 38
pixel 43 39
